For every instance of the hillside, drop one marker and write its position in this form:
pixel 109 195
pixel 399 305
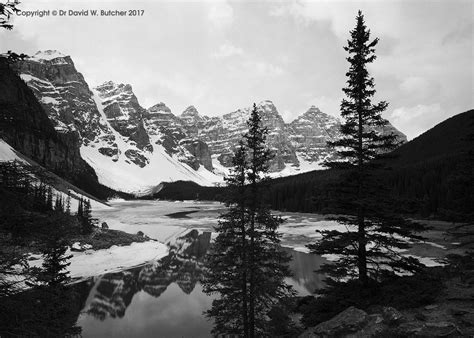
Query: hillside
pixel 451 137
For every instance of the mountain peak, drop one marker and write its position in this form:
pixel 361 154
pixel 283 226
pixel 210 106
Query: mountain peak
pixel 159 107
pixel 48 54
pixel 51 57
pixel 266 103
pixel 314 116
pixel 313 110
pixel 111 85
pixel 191 111
pixel 268 108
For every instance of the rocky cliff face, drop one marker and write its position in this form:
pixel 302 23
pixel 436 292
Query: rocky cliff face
pixel 310 132
pixel 298 146
pixel 67 99
pixel 162 124
pixel 63 93
pixel 223 133
pixel 26 126
pixel 124 113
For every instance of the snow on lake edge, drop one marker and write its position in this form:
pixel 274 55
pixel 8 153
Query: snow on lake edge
pixel 91 263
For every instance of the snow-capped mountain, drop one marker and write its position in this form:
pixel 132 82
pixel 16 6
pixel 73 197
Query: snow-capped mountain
pixel 134 149
pixel 119 138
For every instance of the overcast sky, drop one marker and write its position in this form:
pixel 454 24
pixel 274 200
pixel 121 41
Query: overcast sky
pixel 223 55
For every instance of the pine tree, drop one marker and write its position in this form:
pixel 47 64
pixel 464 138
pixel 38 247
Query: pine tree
pixel 49 198
pixel 230 311
pixel 246 265
pixel 84 215
pixel 80 208
pixel 54 270
pixel 268 264
pixel 366 249
pixel 68 203
pixel 59 203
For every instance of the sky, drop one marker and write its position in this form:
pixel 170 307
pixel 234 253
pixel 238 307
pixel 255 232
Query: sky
pixel 223 55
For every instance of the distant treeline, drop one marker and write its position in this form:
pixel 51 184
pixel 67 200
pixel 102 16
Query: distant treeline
pixel 440 188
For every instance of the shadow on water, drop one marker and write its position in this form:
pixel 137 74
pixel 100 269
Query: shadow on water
pixel 181 214
pixel 165 298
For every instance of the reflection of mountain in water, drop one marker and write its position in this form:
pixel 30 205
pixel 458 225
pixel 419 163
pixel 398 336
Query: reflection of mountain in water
pixel 113 292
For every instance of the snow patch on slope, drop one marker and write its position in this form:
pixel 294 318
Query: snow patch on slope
pixel 304 166
pixel 118 173
pixel 7 153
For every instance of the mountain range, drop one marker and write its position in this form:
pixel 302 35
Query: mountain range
pixel 134 149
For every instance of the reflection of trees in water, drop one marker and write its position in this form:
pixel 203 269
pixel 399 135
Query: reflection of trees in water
pixel 303 268
pixel 183 265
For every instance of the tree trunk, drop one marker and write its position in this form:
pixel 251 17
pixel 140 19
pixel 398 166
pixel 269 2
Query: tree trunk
pixel 244 274
pixel 252 275
pixel 253 207
pixel 362 252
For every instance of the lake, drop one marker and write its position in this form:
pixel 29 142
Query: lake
pixel 164 298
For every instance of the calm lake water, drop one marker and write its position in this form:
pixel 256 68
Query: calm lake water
pixel 164 298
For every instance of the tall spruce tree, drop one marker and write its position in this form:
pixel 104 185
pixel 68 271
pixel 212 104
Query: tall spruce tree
pixel 375 235
pixel 268 264
pixel 230 312
pixel 246 266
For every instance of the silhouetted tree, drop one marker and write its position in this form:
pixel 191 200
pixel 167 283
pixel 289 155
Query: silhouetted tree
pixel 6 11
pixel 374 232
pixel 84 215
pixel 68 203
pixel 59 203
pixel 55 265
pixel 246 265
pixel 231 310
pixel 49 198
